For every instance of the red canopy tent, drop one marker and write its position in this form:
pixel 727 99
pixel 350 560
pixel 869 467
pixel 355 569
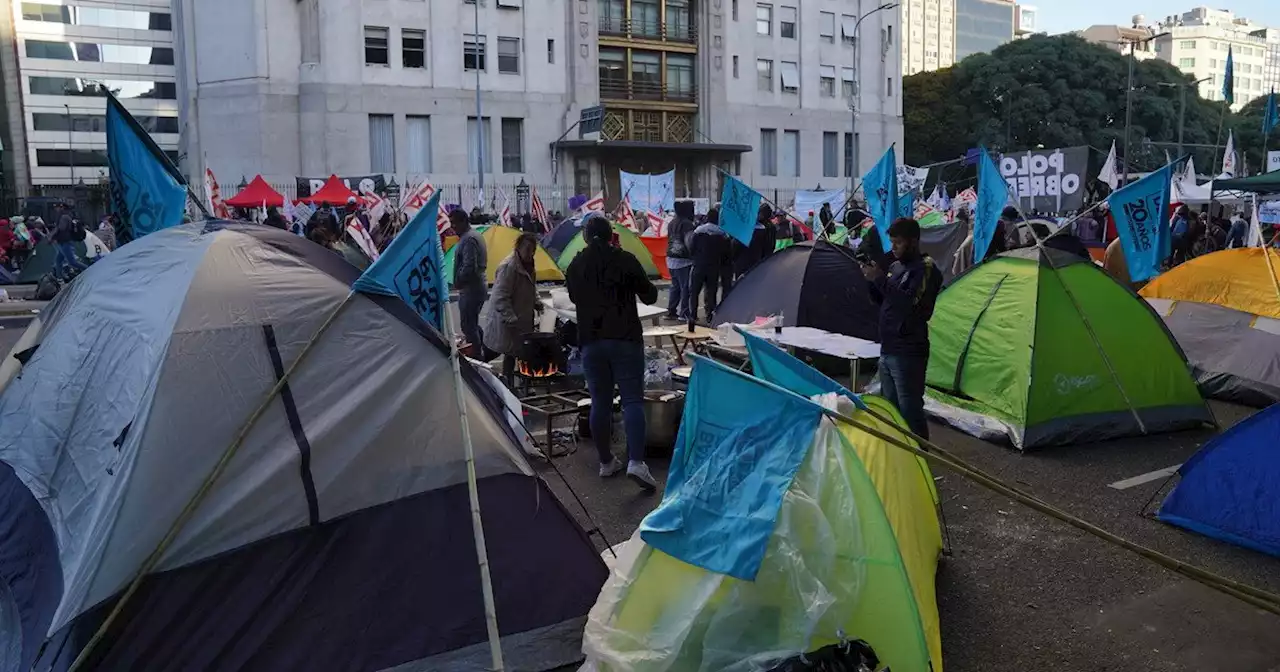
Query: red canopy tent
pixel 334 192
pixel 255 194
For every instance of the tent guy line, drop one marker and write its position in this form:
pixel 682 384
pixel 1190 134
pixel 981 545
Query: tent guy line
pixel 1148 477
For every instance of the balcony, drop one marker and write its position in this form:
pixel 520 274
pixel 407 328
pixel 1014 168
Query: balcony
pixel 651 91
pixel 684 33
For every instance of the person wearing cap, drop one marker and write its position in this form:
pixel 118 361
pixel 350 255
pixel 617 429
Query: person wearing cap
pixel 604 283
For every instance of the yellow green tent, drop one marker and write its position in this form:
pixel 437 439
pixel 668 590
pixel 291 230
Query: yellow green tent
pixel 499 242
pixel 627 239
pixel 722 578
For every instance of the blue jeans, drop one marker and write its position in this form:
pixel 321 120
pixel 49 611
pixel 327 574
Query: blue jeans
pixel 606 363
pixel 66 258
pixel 902 381
pixel 678 294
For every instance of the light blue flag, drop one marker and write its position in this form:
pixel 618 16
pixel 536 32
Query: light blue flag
pixel 1270 114
pixel 1141 211
pixel 411 267
pixel 777 366
pixel 147 191
pixel 739 447
pixel 880 185
pixel 906 205
pixel 993 193
pixel 739 209
pixel 1229 79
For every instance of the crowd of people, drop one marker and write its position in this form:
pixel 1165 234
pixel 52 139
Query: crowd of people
pixel 21 235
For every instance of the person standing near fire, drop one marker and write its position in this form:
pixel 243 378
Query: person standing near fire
pixel 512 305
pixel 604 283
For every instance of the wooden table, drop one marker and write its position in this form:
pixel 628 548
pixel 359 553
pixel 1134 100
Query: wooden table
pixel 696 339
pixel 659 333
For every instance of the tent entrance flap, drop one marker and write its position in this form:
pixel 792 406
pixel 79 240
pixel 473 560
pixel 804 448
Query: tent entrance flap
pixel 964 351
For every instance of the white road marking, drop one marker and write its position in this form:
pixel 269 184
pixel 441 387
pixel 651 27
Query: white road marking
pixel 1148 477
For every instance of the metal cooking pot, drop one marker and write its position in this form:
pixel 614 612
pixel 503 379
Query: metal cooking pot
pixel 663 410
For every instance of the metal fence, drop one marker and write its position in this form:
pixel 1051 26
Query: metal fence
pixel 465 195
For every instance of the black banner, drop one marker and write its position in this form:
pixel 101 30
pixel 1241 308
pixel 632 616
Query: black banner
pixel 356 183
pixel 1049 180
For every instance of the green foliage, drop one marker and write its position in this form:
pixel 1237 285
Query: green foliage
pixel 1062 91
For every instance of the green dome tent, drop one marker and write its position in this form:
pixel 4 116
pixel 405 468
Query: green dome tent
pixel 1045 348
pixel 626 237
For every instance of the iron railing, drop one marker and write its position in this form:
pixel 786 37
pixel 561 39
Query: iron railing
pixel 670 31
pixel 633 90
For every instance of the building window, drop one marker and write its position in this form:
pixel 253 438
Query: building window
pixel 97 123
pixel 787 22
pixel 612 73
pixel 375 46
pixel 481 131
pixel 679 25
pixel 382 143
pixel 888 36
pixel 123 89
pixel 413 48
pixel 1187 44
pixel 1186 63
pixel 509 55
pixel 613 15
pixel 646 18
pixel 735 67
pixel 764 75
pixel 419 130
pixel 848 155
pixel 680 76
pixel 764 19
pixel 791 153
pixel 79 158
pixel 830 154
pixel 888 87
pixel 790 77
pixel 827 81
pixel 551 51
pixel 512 145
pixel 473 52
pixel 848 25
pixel 510 4
pixel 99 53
pixel 1213 63
pixel 827 27
pixel 94 16
pixel 734 9
pixel 846 82
pixel 768 151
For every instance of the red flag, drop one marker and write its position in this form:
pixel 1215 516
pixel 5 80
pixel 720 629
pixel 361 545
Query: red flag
pixel 626 216
pixel 540 211
pixel 216 207
pixel 596 204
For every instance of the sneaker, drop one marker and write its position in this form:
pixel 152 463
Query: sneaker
pixel 639 472
pixel 611 469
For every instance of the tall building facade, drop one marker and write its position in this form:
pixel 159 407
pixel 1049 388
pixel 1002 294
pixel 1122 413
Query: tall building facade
pixel 59 60
pixel 982 25
pixel 928 35
pixel 705 87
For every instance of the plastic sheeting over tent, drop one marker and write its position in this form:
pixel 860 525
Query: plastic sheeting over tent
pixel 1230 489
pixel 500 241
pixel 815 284
pixel 1044 348
pixel 853 551
pixel 338 538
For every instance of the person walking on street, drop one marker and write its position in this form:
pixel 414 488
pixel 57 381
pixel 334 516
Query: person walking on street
pixel 66 263
pixel 710 252
pixel 680 260
pixel 470 263
pixel 512 305
pixel 107 232
pixel 1239 230
pixel 906 296
pixel 604 283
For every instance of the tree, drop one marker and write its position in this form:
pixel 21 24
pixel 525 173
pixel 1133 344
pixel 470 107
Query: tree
pixel 1057 91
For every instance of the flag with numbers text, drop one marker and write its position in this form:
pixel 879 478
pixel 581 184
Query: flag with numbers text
pixel 1141 211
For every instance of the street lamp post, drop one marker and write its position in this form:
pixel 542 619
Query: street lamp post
pixel 857 89
pixel 71 157
pixel 1128 96
pixel 480 125
pixel 1182 106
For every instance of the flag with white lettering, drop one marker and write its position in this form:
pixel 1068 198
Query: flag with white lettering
pixel 1141 213
pixel 412 268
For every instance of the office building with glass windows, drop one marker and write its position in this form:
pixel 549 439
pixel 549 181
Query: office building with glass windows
pixel 982 25
pixel 59 59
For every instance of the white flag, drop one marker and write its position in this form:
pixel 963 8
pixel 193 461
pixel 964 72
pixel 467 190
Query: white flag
pixel 1189 175
pixel 1229 158
pixel 1254 238
pixel 1108 174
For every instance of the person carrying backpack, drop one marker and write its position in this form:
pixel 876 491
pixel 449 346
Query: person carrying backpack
pixel 65 233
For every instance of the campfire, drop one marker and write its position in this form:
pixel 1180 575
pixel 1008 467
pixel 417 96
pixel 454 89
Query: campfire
pixel 537 369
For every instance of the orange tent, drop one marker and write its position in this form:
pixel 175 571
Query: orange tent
pixel 255 194
pixel 334 192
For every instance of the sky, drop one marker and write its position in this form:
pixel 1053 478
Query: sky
pixel 1061 16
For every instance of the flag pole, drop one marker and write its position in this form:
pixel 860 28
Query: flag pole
pixel 473 493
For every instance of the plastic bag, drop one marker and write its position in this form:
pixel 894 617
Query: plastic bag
pixel 657 368
pixel 856 656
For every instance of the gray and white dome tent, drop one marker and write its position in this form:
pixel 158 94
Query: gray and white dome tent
pixel 339 536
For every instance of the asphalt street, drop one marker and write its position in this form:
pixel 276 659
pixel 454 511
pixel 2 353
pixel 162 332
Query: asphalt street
pixel 1021 591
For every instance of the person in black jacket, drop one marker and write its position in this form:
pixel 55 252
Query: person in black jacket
pixel 680 260
pixel 871 249
pixel 710 253
pixel 604 283
pixel 763 239
pixel 906 295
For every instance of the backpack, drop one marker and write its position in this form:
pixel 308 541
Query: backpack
pixel 47 287
pixel 78 233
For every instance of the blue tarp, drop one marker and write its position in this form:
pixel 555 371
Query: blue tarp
pixel 739 447
pixel 1230 490
pixel 771 363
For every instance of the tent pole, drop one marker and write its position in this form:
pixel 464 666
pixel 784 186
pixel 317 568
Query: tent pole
pixel 473 493
pixel 205 488
pixel 1266 249
pixel 1259 598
